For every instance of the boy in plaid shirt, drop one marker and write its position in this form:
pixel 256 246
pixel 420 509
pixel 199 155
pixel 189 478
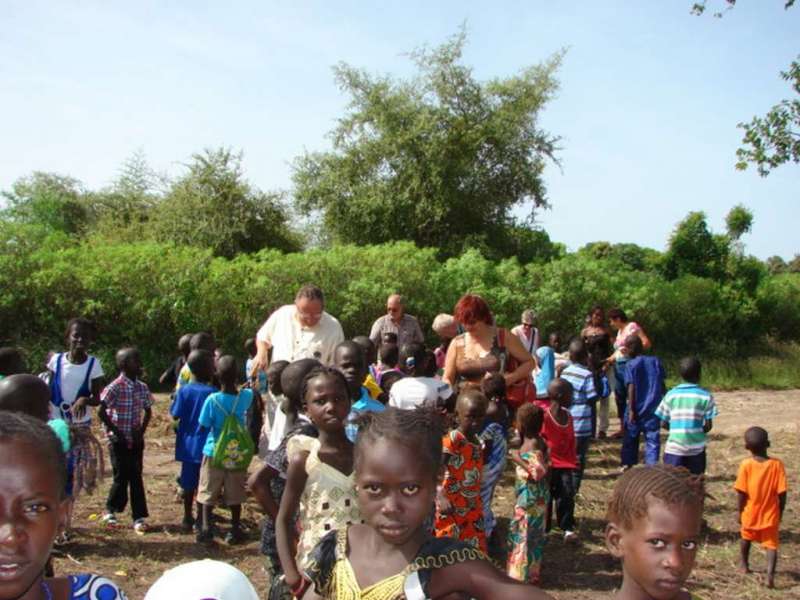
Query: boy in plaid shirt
pixel 125 411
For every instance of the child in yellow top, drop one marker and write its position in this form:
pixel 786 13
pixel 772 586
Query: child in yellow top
pixel 761 486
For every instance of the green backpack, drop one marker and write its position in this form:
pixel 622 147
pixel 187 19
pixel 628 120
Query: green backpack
pixel 234 448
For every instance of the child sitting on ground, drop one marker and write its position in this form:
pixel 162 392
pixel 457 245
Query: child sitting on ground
pixel 761 487
pixel 459 509
pixel 559 434
pixel 393 556
pixel 654 519
pixel 644 381
pixel 190 436
pixel 125 410
pixel 33 459
pixel 319 480
pixel 222 484
pixel 495 446
pixel 687 411
pixel 526 533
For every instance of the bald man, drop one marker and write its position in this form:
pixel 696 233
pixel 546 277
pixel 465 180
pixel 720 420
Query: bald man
pixel 396 321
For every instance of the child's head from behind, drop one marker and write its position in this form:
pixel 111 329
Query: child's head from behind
pixel 326 398
pixel 274 372
pixel 412 359
pixel 292 382
pixel 203 341
pixel 577 351
pixel 398 456
pixel 654 519
pixel 32 500
pixel 690 369
pixel 250 347
pixel 11 362
pixel 560 391
pixel 634 346
pixel 756 440
pixel 389 338
pixel 227 370
pixel 129 362
pixel 201 364
pixel 494 386
pixel 349 359
pixel 370 351
pixel 389 355
pixel 185 344
pixel 471 408
pixel 26 394
pixel 529 420
pixel 388 379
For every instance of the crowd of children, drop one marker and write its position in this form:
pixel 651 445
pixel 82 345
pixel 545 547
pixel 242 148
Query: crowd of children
pixel 371 489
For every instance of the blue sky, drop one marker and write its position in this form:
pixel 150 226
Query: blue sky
pixel 649 101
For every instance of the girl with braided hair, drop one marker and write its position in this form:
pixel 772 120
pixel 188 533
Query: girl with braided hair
pixel 654 518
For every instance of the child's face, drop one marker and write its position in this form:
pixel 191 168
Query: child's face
pixel 79 339
pixel 395 490
pixel 132 365
pixel 327 403
pixel 351 363
pixel 555 342
pixel 31 514
pixel 659 551
pixel 470 417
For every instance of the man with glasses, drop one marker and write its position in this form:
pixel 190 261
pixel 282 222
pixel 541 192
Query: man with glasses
pixel 396 321
pixel 526 332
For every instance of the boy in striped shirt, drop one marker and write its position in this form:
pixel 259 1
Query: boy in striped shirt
pixel 687 410
pixel 584 396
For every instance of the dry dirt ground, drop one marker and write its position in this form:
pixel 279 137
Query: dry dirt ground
pixel 577 571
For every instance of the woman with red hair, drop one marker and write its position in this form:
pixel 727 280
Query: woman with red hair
pixel 484 348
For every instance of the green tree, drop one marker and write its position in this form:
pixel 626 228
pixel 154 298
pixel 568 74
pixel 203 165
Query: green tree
pixel 48 199
pixel 739 221
pixel 694 250
pixel 212 206
pixel 440 159
pixel 776 265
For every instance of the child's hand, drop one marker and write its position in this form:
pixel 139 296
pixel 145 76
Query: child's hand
pixel 79 406
pixel 443 504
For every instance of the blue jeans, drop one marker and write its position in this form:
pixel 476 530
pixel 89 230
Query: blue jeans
pixel 696 464
pixel 650 427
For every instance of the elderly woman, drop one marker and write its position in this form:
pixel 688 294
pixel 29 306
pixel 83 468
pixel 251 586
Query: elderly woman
pixel 625 329
pixel 483 348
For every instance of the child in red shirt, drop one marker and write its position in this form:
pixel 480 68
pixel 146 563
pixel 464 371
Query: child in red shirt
pixel 559 434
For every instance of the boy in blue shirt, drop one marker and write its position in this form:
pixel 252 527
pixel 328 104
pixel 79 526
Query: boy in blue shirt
pixel 222 484
pixel 644 380
pixel 349 358
pixel 191 436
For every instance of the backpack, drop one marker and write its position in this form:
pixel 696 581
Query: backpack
pixel 234 448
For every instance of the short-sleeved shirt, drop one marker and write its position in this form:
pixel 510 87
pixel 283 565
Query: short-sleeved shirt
pixel 89 587
pixel 291 340
pixel 126 401
pixel 647 375
pixel 762 481
pixel 583 393
pixel 412 392
pixel 560 440
pixel 185 377
pixel 191 438
pixel 365 403
pixel 686 408
pixel 212 418
pixel 72 378
pixel 546 372
pixel 407 330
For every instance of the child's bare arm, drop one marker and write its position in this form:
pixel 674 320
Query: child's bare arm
pixel 259 486
pixel 742 498
pixel 708 425
pixel 284 525
pixel 481 580
pixel 631 403
pixel 782 503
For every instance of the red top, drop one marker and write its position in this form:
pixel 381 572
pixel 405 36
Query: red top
pixel 561 441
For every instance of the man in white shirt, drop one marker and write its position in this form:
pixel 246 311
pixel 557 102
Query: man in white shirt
pixel 415 389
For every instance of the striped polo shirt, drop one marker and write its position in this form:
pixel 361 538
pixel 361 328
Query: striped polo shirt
pixel 686 408
pixel 583 393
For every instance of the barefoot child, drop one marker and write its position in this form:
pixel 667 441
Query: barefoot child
pixel 459 510
pixel 654 519
pixel 392 556
pixel 125 410
pixel 526 534
pixel 319 481
pixel 33 509
pixel 761 486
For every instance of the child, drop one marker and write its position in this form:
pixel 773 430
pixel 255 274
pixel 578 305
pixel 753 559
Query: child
pixel 388 358
pixel 34 466
pixel 11 362
pixel 319 479
pixel 272 400
pixel 584 396
pixel 559 434
pixel 654 519
pixel 25 394
pixel 526 534
pixel 260 378
pixel 544 373
pixel 170 376
pixel 387 383
pixel 190 435
pixel 393 556
pixel 761 487
pixel 200 341
pixel 459 510
pixel 349 359
pixel 687 411
pixel 370 355
pixel 495 446
pixel 125 410
pixel 216 483
pixel 644 381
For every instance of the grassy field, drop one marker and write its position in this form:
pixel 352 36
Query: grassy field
pixel 580 571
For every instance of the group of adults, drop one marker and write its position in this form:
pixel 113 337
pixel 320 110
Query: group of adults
pixel 472 345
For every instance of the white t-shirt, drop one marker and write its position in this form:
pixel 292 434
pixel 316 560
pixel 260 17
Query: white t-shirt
pixel 411 392
pixel 72 377
pixel 290 340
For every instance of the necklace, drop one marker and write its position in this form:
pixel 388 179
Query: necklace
pixel 47 593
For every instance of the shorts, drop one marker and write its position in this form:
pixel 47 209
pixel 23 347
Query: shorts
pixel 189 478
pixel 220 485
pixel 696 463
pixel 768 538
